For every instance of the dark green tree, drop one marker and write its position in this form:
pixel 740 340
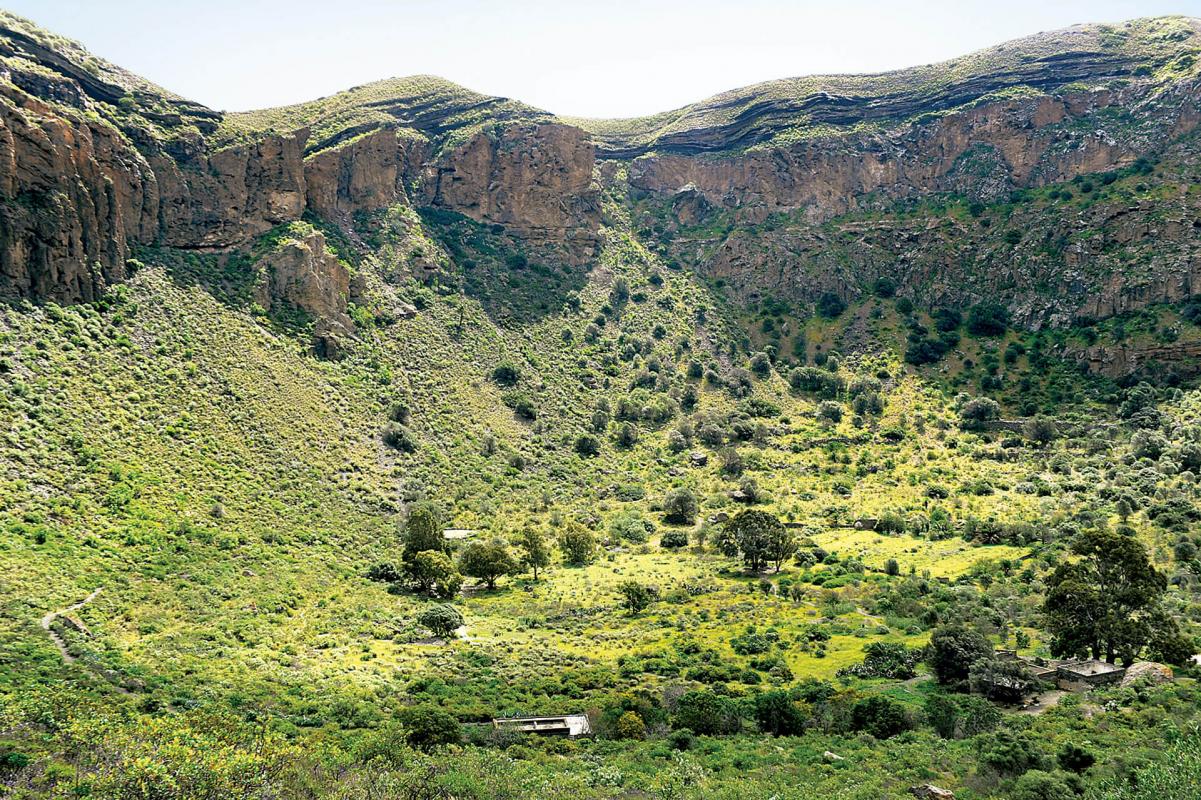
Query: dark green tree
pixel 587 445
pixel 987 319
pixel 830 305
pixel 1105 602
pixel 635 596
pixel 778 714
pixel 880 716
pixel 433 572
pixel 441 619
pixel 961 716
pixel 1011 752
pixel 680 507
pixel 535 552
pixel 758 538
pixel 578 544
pixel 952 651
pixel 423 531
pixel 487 561
pixel 1075 758
pixel 429 727
pixel 707 713
pixel 506 374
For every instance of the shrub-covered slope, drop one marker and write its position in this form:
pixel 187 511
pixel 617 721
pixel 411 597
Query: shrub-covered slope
pixel 725 461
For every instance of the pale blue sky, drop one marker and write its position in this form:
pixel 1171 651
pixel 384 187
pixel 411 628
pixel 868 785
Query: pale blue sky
pixel 614 58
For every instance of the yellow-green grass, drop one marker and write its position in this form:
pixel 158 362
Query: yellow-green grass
pixel 945 558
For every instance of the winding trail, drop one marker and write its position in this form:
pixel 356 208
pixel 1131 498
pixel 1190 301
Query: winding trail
pixel 48 622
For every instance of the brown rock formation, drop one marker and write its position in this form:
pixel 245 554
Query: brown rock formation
pixel 225 198
pixel 1115 361
pixel 304 273
pixel 534 179
pixel 366 174
pixel 72 194
pixel 982 152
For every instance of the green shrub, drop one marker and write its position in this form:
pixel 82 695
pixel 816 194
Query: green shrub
pixel 880 716
pixel 680 507
pixel 506 374
pixel 707 713
pixel 429 727
pixel 673 539
pixel 442 620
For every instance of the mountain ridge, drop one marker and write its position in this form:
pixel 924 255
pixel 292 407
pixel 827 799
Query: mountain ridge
pixel 1083 51
pixel 979 129
pixel 830 98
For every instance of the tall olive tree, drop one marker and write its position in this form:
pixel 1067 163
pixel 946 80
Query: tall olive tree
pixel 758 538
pixel 1105 601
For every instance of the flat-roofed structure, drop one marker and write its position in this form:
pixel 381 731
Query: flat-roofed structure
pixel 1080 676
pixel 569 725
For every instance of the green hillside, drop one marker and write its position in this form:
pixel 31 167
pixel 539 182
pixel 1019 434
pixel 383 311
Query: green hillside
pixel 301 505
pixel 229 494
pixel 424 103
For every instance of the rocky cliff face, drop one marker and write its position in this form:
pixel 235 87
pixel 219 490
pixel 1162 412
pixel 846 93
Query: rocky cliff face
pixel 72 195
pixel 533 179
pixel 835 214
pixel 302 272
pixel 364 175
pixel 79 189
pixel 1115 361
pixel 790 189
pixel 983 153
pixel 1050 261
pixel 76 194
pixel 225 198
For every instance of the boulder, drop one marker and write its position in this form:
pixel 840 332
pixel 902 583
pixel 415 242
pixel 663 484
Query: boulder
pixel 929 791
pixel 1147 672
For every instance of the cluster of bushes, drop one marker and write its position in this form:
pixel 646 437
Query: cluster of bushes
pixel 822 382
pixel 921 348
pixel 885 660
pixel 396 433
pixel 809 705
pixel 427 566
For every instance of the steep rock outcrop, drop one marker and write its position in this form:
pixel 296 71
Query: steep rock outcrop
pixel 305 274
pixel 1103 260
pixel 73 194
pixel 983 152
pixel 534 179
pixel 1116 361
pixel 225 198
pixel 366 174
pixel 846 209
